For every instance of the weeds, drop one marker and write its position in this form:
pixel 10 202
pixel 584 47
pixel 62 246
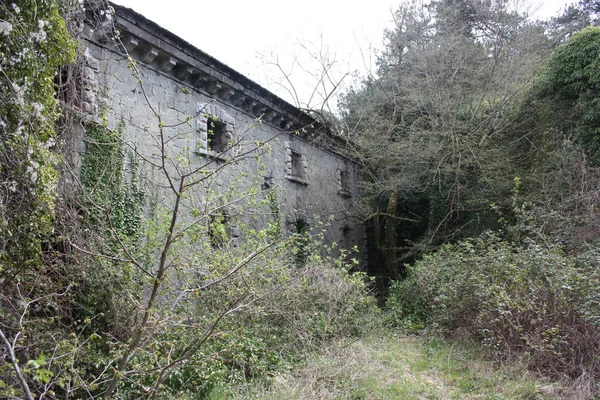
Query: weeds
pixel 400 367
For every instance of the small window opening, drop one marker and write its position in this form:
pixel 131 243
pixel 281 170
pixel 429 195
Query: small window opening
pixel 217 230
pixel 344 183
pixel 216 135
pixel 346 233
pixel 301 242
pixel 297 167
pixel 69 85
pixel 268 183
pixel 344 180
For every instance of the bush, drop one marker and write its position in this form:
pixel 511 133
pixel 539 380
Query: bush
pixel 568 86
pixel 530 301
pixel 323 302
pixel 297 310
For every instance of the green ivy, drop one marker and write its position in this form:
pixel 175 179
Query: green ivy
pixel 568 88
pixel 34 41
pixel 274 227
pixel 108 194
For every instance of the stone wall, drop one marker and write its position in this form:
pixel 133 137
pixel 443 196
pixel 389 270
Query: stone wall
pixel 214 119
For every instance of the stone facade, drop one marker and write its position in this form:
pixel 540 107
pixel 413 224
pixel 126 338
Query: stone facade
pixel 217 119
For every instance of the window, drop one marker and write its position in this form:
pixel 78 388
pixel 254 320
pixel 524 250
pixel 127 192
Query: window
pixel 77 86
pixel 296 165
pixel 297 168
pixel 218 231
pixel 215 131
pixel 301 242
pixel 344 179
pixel 344 182
pixel 347 235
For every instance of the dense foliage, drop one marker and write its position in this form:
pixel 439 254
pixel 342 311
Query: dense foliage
pixel 518 300
pixel 459 107
pixel 480 135
pixel 300 310
pixel 33 42
pixel 568 88
pixel 431 127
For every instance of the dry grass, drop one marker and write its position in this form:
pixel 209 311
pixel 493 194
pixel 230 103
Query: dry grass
pixel 403 367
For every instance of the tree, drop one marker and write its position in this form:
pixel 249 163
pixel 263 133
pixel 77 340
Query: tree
pixel 572 19
pixel 430 126
pixel 569 85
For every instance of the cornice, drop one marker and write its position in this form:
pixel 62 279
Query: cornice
pixel 161 50
pixel 157 48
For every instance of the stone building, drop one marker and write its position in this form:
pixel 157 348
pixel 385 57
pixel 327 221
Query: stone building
pixel 174 102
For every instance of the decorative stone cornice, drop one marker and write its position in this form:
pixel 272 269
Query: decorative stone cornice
pixel 159 49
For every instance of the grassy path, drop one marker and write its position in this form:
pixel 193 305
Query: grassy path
pixel 400 367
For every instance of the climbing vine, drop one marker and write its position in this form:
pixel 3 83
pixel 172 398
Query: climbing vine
pixel 274 228
pixel 34 41
pixel 108 193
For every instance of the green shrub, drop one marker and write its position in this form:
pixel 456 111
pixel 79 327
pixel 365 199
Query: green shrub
pixel 531 301
pixel 323 302
pixel 296 310
pixel 567 89
pixel 405 308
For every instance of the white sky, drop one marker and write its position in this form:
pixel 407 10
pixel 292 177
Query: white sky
pixel 249 35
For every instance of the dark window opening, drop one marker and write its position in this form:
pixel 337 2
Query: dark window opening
pixel 301 242
pixel 344 180
pixel 347 234
pixel 69 85
pixel 217 230
pixel 268 183
pixel 216 135
pixel 297 165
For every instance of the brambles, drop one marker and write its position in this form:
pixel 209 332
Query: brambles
pixel 295 311
pixel 528 301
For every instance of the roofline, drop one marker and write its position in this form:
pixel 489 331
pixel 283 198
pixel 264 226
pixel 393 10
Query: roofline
pixel 159 48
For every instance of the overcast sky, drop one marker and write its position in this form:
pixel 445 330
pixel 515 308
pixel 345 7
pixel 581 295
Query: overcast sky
pixel 251 35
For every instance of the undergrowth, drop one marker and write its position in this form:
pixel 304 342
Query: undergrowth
pixel 318 304
pixel 390 366
pixel 526 301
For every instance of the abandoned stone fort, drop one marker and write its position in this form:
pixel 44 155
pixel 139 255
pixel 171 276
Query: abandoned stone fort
pixel 181 112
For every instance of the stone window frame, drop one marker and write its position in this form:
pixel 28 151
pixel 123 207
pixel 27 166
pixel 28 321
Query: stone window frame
pixel 232 231
pixel 298 229
pixel 206 113
pixel 343 181
pixel 294 154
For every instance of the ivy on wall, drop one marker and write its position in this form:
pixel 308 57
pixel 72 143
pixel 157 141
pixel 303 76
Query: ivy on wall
pixel 274 227
pixel 34 41
pixel 114 201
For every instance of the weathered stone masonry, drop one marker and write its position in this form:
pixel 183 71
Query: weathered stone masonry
pixel 207 106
